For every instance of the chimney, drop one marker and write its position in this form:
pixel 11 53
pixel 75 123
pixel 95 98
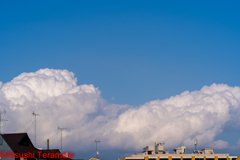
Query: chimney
pixel 48 144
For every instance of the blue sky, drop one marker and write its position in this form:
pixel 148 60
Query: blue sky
pixel 134 51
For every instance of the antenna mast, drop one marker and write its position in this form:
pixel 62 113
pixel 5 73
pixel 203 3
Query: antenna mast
pixel 35 114
pixel 96 148
pixel 61 135
pixel 4 112
pixel 196 143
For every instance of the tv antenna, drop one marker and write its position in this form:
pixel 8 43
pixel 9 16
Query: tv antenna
pixel 61 135
pixel 196 143
pixel 35 114
pixel 1 124
pixel 97 153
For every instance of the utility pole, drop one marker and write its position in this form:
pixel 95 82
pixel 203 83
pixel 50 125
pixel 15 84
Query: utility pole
pixel 61 135
pixel 35 114
pixel 96 148
pixel 4 112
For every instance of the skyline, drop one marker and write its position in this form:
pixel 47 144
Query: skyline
pixel 126 57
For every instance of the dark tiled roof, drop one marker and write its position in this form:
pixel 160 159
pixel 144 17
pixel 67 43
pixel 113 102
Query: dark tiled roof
pixel 13 138
pixel 50 150
pixel 13 141
pixel 16 143
pixel 54 151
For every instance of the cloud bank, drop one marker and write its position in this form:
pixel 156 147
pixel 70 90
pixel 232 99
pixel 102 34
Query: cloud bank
pixel 55 95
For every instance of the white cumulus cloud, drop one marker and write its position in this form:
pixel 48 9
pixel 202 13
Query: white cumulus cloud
pixel 55 95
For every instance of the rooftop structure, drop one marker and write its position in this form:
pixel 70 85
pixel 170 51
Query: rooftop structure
pixel 180 150
pixel 157 152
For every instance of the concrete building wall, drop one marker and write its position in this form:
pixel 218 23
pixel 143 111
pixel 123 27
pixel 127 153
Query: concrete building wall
pixel 221 157
pixel 158 147
pixel 4 147
pixel 207 151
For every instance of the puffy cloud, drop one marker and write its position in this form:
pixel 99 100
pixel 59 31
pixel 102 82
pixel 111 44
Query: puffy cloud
pixel 182 118
pixel 55 95
pixel 41 85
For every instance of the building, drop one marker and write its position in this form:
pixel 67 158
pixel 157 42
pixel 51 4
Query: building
pixel 17 143
pixel 157 152
pixel 20 143
pixel 54 151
